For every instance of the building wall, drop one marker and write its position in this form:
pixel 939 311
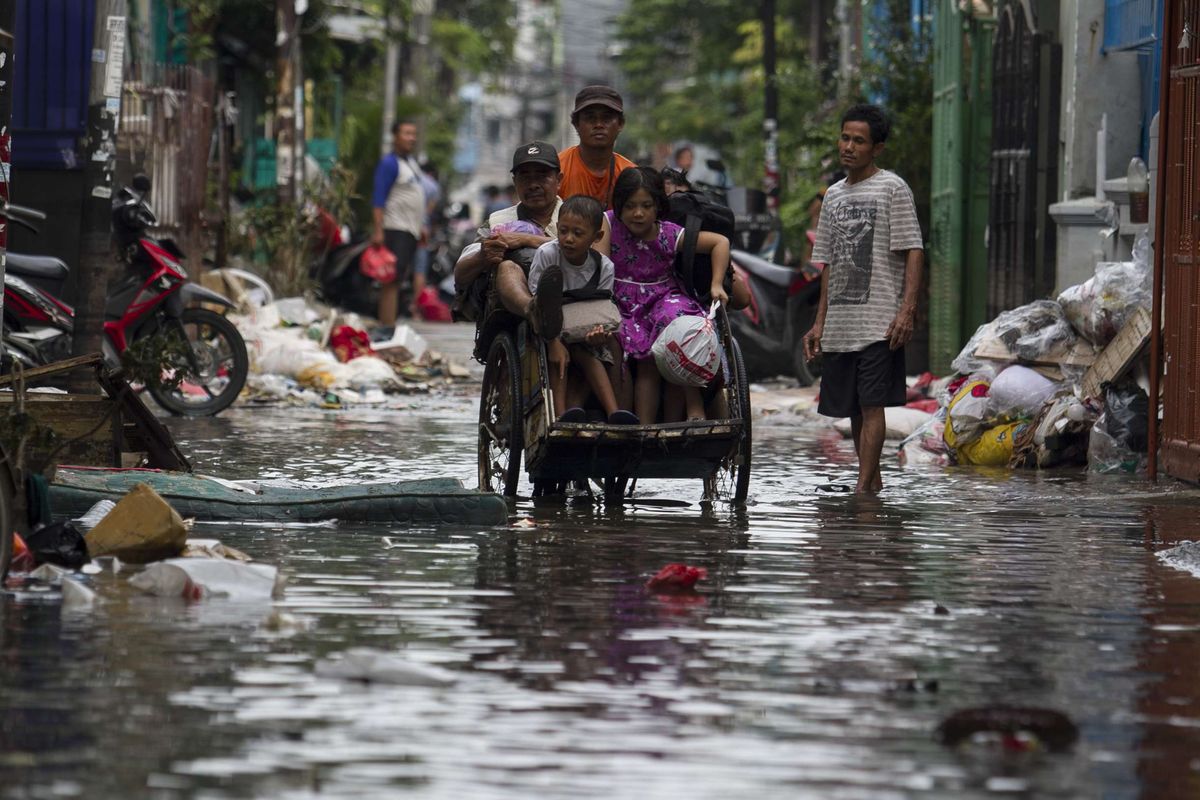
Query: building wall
pixel 1094 83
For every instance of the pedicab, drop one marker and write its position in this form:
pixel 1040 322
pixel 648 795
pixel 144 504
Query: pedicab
pixel 516 421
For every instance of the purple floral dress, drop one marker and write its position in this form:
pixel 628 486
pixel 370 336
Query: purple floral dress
pixel 646 290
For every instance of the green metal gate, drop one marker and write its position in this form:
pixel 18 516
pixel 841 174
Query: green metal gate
pixel 962 123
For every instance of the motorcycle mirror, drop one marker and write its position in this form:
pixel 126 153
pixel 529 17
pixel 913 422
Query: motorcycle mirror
pixel 141 183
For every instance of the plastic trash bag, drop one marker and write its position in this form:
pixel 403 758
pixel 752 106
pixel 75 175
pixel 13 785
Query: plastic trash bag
pixel 967 412
pixel 899 422
pixel 688 352
pixel 60 544
pixel 203 578
pixel 1099 307
pixel 1127 412
pixel 1119 438
pixel 1035 330
pixel 1032 332
pixel 927 445
pixel 76 596
pixel 994 447
pixel 1019 393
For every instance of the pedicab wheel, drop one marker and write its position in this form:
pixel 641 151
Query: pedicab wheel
pixel 500 439
pixel 731 481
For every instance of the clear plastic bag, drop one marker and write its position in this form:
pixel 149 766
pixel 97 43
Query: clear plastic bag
pixel 1031 332
pixel 1035 330
pixel 1099 307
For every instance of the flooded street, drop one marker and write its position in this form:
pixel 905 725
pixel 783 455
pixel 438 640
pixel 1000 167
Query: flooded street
pixel 830 639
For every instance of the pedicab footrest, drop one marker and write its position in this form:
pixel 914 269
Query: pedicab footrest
pixel 598 431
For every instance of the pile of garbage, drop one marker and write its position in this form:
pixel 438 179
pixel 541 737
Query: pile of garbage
pixel 141 533
pixel 303 352
pixel 1052 383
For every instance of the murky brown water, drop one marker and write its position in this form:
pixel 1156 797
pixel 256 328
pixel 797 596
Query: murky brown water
pixel 811 665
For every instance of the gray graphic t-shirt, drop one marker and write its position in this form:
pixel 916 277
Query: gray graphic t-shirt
pixel 863 235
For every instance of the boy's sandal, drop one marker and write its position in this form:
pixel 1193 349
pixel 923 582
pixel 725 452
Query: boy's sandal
pixel 623 417
pixel 573 415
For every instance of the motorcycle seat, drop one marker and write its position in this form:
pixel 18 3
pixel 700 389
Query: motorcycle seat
pixel 46 267
pixel 760 267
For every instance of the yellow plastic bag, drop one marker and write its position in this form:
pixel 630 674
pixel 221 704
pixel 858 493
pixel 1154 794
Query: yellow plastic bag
pixel 966 412
pixel 994 448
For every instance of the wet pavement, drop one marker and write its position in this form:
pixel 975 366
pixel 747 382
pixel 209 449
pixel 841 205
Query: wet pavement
pixel 831 637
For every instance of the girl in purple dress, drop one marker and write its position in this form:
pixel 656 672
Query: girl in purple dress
pixel 647 291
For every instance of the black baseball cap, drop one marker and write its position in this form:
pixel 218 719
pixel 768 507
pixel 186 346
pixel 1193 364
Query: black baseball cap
pixel 535 153
pixel 598 95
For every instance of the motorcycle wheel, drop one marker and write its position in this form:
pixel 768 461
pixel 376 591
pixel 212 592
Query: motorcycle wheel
pixel 222 363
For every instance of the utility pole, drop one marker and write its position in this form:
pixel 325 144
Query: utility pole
pixel 285 102
pixel 225 117
pixel 96 261
pixel 770 108
pixel 391 66
pixel 845 46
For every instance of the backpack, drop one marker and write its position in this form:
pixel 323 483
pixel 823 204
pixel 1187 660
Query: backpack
pixel 696 212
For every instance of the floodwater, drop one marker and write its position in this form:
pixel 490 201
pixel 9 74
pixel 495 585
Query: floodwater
pixel 814 661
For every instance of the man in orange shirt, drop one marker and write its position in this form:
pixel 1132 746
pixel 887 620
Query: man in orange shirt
pixel 591 167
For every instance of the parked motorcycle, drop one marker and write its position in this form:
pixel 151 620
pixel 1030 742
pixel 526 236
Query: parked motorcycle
pixel 783 306
pixel 153 298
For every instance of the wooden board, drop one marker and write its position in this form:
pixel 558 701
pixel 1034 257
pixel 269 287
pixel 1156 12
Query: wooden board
pixel 90 423
pixel 1119 354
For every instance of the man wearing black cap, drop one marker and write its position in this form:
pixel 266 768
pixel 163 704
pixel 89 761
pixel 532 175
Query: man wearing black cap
pixel 536 176
pixel 591 167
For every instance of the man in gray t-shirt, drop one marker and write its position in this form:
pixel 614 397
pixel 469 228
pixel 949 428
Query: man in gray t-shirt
pixel 869 239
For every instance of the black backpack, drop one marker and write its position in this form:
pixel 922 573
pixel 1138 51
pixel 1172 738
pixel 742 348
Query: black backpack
pixel 696 212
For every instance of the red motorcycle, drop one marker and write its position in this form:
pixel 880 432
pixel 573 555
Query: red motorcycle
pixel 155 298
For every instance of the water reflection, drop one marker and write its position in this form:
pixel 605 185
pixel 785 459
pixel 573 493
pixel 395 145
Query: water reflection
pixel 812 662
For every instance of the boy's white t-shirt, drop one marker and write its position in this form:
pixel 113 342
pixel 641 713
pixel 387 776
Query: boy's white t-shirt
pixel 574 277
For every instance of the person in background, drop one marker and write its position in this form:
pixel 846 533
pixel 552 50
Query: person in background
pixel 399 213
pixel 592 167
pixel 684 158
pixel 870 241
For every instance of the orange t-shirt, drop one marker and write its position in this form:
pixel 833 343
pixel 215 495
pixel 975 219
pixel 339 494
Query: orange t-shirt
pixel 578 179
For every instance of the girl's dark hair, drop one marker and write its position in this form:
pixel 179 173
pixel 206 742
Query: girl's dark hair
pixel 634 178
pixel 586 207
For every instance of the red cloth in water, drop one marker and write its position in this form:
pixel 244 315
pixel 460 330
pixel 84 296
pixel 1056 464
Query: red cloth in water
pixel 676 578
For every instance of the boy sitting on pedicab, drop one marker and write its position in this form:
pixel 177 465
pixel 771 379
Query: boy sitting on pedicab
pixel 569 271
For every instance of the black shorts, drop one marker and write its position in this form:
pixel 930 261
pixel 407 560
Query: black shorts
pixel 867 378
pixel 404 247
